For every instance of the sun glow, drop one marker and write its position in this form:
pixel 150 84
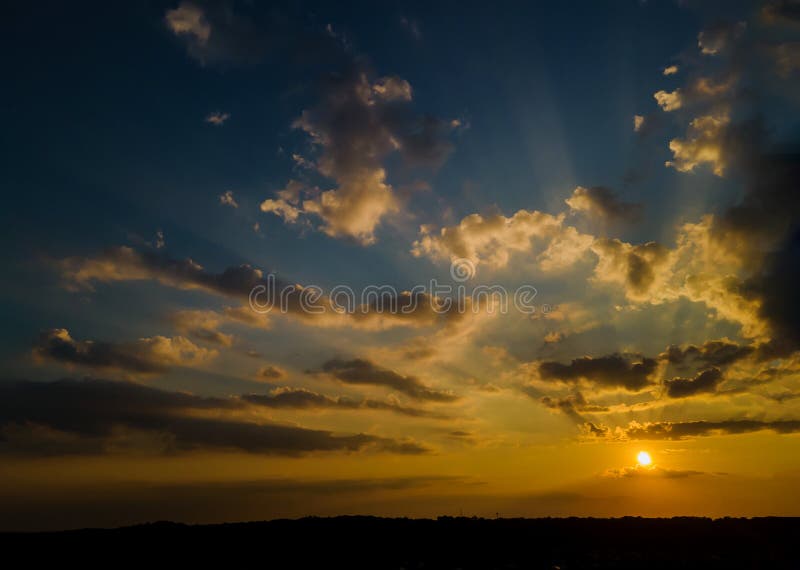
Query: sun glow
pixel 644 459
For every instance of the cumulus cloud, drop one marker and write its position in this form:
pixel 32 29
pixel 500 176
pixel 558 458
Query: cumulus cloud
pixel 701 90
pixel 638 123
pixel 671 70
pixel 145 355
pixel 704 144
pixel 669 101
pixel 99 414
pixel 357 123
pixel 639 268
pixel 360 371
pixel 602 203
pixel 492 239
pixel 611 371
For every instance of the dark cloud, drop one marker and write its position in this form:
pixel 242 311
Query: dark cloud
pixel 602 203
pixel 360 371
pixel 786 12
pixel 777 285
pixel 213 32
pixel 719 353
pixel 238 282
pixel 300 398
pixel 227 32
pixel 614 370
pixel 271 373
pixel 357 123
pixel 635 266
pixel 704 381
pixel 101 414
pixel 732 135
pixel 683 430
pixel 127 264
pixel 573 406
pixel 145 355
pixel 719 37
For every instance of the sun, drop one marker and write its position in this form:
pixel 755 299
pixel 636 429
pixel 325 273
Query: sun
pixel 644 459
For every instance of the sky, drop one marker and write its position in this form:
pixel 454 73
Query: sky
pixel 410 259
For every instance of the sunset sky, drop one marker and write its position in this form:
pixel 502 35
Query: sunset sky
pixel 631 165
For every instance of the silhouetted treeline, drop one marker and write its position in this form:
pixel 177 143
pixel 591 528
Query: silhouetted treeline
pixel 467 543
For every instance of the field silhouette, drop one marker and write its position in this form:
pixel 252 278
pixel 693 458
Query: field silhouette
pixel 447 542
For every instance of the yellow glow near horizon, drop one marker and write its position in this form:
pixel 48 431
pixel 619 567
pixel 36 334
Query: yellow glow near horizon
pixel 644 459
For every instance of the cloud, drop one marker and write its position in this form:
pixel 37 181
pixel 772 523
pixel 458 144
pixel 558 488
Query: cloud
pixel 701 90
pixel 144 356
pixel 703 144
pixel 781 12
pixel 717 353
pixel 217 119
pixel 357 123
pixel 685 430
pixel 671 70
pixel 282 206
pixel 638 123
pixel 404 308
pixel 189 20
pixel 704 381
pixel 786 57
pixel 669 101
pixel 128 264
pixel 718 38
pixel 302 399
pixel 104 415
pixel 214 33
pixel 271 372
pixel 602 203
pixel 573 406
pixel 493 238
pixel 640 269
pixel 202 325
pixel 612 371
pixel 360 371
pixel 653 471
pixel 227 199
pixel 412 26
pixel 392 89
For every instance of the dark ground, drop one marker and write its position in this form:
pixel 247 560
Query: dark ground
pixel 368 542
